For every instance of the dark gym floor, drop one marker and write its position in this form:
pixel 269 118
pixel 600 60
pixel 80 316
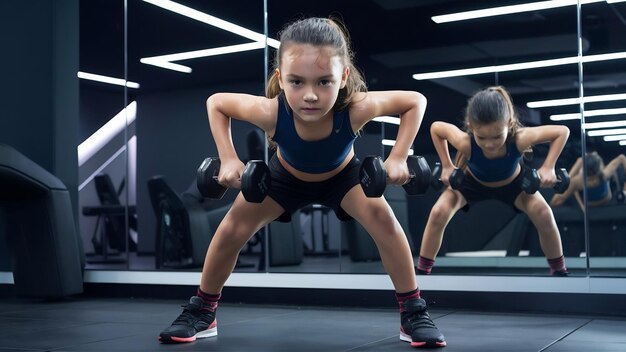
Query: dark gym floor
pixel 95 324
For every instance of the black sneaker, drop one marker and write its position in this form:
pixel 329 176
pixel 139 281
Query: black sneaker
pixel 417 327
pixel 195 322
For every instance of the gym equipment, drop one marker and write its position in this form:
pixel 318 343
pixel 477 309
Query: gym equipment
pixel 373 176
pixel 255 180
pixel 531 182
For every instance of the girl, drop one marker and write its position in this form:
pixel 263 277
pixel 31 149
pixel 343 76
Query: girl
pixel 598 177
pixel 492 149
pixel 317 103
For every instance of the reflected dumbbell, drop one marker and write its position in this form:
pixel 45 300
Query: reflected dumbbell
pixel 255 180
pixel 531 181
pixel 456 178
pixel 373 176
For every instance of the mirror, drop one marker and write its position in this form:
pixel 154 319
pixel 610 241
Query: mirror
pixel 105 125
pixel 171 123
pixel 181 54
pixel 604 78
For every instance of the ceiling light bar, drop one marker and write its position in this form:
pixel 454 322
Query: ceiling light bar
pixel 622 142
pixel 387 119
pixel 605 124
pixel 213 21
pixel 614 138
pixel 107 79
pixel 588 113
pixel 519 66
pixel 575 101
pixel 165 60
pixel 597 133
pixel 614 1
pixel 166 65
pixel 505 10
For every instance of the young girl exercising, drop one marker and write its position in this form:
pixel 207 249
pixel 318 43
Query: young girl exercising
pixel 317 101
pixel 598 178
pixel 491 150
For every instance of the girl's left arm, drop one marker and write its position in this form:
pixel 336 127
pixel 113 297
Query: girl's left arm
pixel 410 106
pixel 557 136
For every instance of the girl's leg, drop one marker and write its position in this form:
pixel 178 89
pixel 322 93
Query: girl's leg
pixel 540 214
pixel 241 222
pixel 378 219
pixel 376 216
pixel 440 215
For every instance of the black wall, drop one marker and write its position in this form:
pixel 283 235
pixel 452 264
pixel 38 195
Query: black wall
pixel 39 91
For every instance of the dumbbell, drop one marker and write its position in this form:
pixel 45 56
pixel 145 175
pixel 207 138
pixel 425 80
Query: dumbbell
pixel 435 180
pixel 255 180
pixel 373 176
pixel 531 181
pixel 456 178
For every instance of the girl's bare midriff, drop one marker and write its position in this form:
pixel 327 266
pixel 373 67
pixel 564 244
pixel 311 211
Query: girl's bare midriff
pixel 307 177
pixel 497 183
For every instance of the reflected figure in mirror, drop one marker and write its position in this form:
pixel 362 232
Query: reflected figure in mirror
pixel 598 181
pixel 489 155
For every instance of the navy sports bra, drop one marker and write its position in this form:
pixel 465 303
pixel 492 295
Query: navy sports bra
pixel 493 170
pixel 598 192
pixel 313 156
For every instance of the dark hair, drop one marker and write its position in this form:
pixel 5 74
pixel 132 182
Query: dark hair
pixel 487 106
pixel 320 32
pixel 593 164
pixel 490 105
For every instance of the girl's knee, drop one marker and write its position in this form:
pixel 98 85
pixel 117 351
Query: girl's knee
pixel 440 213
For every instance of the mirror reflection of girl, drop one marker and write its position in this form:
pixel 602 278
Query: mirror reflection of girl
pixel 492 149
pixel 316 102
pixel 598 181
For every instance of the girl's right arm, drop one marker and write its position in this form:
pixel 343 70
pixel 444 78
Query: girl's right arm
pixel 221 107
pixel 443 133
pixel 612 166
pixel 575 186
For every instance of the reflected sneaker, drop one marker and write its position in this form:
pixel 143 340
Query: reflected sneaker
pixel 417 327
pixel 196 321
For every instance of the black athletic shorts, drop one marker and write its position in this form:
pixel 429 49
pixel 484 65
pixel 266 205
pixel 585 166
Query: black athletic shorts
pixel 473 191
pixel 293 194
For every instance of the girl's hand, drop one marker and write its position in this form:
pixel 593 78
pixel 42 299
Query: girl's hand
pixel 230 173
pixel 397 171
pixel 547 177
pixel 446 172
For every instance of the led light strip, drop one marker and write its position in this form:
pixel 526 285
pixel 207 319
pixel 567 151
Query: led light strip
pixel 576 101
pixel 519 66
pixel 106 133
pixel 107 79
pixel 506 10
pixel 387 119
pixel 608 132
pixel 613 138
pixel 164 61
pixel 391 143
pixel 622 142
pixel 589 113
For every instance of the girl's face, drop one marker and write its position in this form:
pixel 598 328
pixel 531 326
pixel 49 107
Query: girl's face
pixel 492 136
pixel 311 77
